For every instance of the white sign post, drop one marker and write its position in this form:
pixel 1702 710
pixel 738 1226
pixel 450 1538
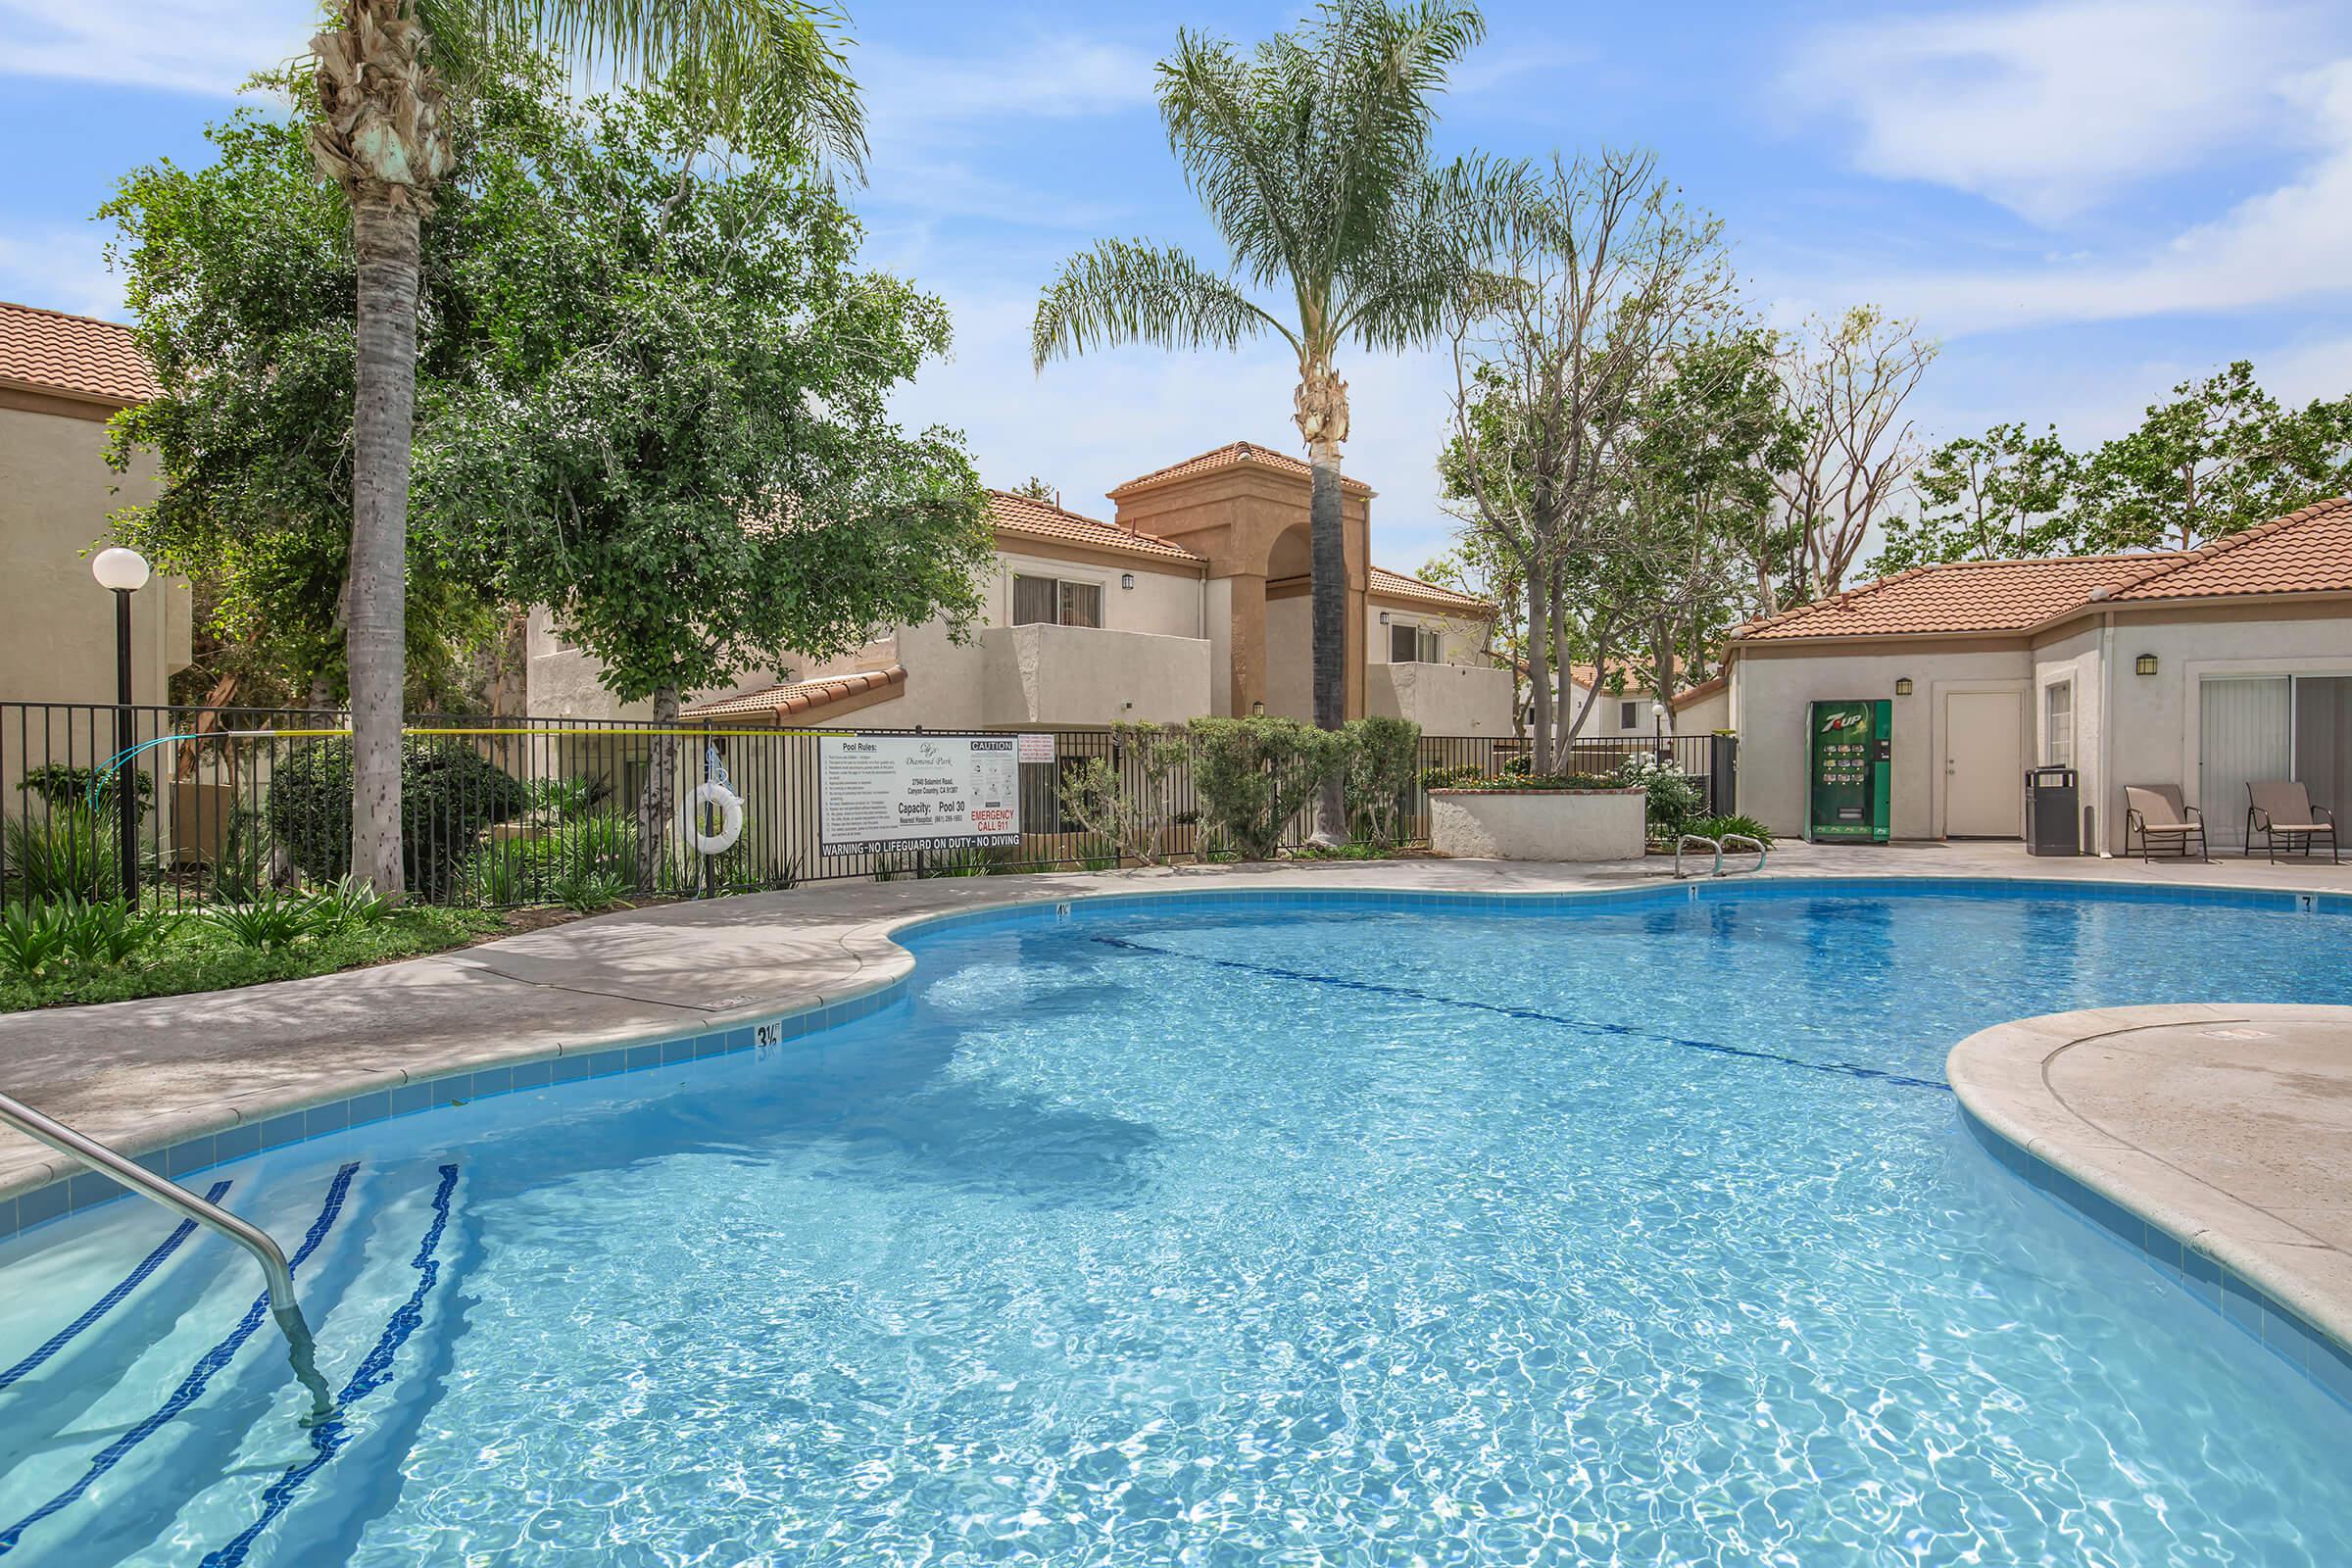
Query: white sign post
pixel 917 792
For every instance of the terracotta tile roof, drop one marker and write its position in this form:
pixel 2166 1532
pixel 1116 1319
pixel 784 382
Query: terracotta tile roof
pixel 1025 518
pixel 1382 584
pixel 72 356
pixel 793 699
pixel 2302 552
pixel 1961 599
pixel 1234 455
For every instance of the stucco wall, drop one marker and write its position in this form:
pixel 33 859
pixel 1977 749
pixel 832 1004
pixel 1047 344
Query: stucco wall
pixel 1706 715
pixel 1071 675
pixel 1291 656
pixel 1538 824
pixel 1772 693
pixel 2156 719
pixel 56 639
pixel 1443 699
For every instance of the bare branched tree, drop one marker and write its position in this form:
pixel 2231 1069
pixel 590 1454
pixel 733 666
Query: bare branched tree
pixel 1613 274
pixel 1847 383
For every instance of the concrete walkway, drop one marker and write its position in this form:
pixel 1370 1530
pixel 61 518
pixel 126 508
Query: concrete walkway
pixel 2228 1127
pixel 145 1074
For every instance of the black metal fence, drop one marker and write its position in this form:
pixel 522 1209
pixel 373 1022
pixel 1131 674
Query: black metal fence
pixel 224 804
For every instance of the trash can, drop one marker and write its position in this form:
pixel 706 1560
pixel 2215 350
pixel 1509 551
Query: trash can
pixel 2053 811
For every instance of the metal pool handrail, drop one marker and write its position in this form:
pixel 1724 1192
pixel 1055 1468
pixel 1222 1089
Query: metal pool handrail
pixel 300 1348
pixel 1681 839
pixel 1753 842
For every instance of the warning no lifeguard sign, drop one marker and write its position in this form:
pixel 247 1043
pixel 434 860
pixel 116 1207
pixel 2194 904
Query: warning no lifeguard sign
pixel 917 792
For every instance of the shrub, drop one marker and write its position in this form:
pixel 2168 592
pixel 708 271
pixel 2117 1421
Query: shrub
pixel 30 940
pixel 448 794
pixel 1380 757
pixel 276 919
pixel 1126 798
pixel 589 892
pixel 353 903
pixel 71 853
pixel 241 869
pixel 1254 774
pixel 526 870
pixel 1675 798
pixel 58 785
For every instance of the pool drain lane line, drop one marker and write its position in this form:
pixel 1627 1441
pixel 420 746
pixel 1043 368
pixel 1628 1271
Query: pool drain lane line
pixel 112 1298
pixel 329 1437
pixel 191 1388
pixel 1848 1069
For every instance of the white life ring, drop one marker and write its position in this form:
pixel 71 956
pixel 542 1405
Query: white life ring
pixel 730 819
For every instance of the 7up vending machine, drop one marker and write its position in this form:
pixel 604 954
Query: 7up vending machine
pixel 1849 766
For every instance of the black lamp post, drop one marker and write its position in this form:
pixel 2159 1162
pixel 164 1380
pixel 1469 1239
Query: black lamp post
pixel 124 572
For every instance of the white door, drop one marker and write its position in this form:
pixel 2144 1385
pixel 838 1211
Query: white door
pixel 1984 776
pixel 2244 735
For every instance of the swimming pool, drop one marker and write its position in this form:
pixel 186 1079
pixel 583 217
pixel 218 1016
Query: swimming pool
pixel 1640 1232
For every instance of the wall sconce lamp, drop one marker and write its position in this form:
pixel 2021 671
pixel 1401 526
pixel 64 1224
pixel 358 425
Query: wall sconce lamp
pixel 1127 579
pixel 1383 617
pixel 1902 686
pixel 2144 665
pixel 1258 710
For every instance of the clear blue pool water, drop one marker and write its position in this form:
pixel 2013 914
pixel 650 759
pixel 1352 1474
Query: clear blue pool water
pixel 1634 1236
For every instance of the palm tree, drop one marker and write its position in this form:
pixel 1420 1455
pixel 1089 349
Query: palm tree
pixel 386 70
pixel 1312 158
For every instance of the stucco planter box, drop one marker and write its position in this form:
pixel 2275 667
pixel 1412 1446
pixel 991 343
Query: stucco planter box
pixel 1539 824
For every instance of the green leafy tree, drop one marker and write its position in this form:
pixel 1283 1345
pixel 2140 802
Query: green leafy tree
pixel 242 287
pixel 2221 457
pixel 2004 495
pixel 385 70
pixel 680 443
pixel 1705 441
pixel 1312 156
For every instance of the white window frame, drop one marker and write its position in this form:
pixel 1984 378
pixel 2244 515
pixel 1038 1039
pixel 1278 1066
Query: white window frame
pixel 1060 580
pixel 2050 715
pixel 1420 630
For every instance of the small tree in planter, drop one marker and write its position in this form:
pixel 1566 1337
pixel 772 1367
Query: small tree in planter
pixel 1382 754
pixel 1254 774
pixel 1127 798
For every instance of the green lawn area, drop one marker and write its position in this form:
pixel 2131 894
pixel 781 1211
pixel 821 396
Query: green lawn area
pixel 196 953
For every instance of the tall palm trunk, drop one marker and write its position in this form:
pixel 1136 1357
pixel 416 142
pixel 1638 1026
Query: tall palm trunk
pixel 386 237
pixel 378 134
pixel 1321 413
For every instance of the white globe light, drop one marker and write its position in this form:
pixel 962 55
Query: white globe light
pixel 125 570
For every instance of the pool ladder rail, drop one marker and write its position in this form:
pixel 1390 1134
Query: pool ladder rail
pixel 1729 841
pixel 301 1350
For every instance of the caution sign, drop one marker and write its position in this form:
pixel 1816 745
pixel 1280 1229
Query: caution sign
pixel 917 792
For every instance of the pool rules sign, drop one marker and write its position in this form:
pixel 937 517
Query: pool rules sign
pixel 917 792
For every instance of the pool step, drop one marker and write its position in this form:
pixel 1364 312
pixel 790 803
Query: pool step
pixel 194 1448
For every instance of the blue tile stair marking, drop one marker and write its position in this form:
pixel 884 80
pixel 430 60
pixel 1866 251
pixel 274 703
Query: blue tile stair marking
pixel 191 1388
pixel 112 1298
pixel 1850 1069
pixel 329 1437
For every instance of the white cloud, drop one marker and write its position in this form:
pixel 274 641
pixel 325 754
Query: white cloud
pixel 200 46
pixel 2279 248
pixel 2050 108
pixel 1053 76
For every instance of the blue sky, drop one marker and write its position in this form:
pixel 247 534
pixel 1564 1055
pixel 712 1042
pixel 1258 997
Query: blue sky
pixel 2083 202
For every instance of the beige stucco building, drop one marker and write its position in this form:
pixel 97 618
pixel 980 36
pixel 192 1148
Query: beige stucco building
pixel 2204 669
pixel 1192 601
pixel 61 377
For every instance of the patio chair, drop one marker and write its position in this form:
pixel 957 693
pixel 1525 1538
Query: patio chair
pixel 2281 808
pixel 2154 812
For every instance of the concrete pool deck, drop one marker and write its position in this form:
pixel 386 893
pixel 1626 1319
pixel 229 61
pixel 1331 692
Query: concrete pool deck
pixel 146 1074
